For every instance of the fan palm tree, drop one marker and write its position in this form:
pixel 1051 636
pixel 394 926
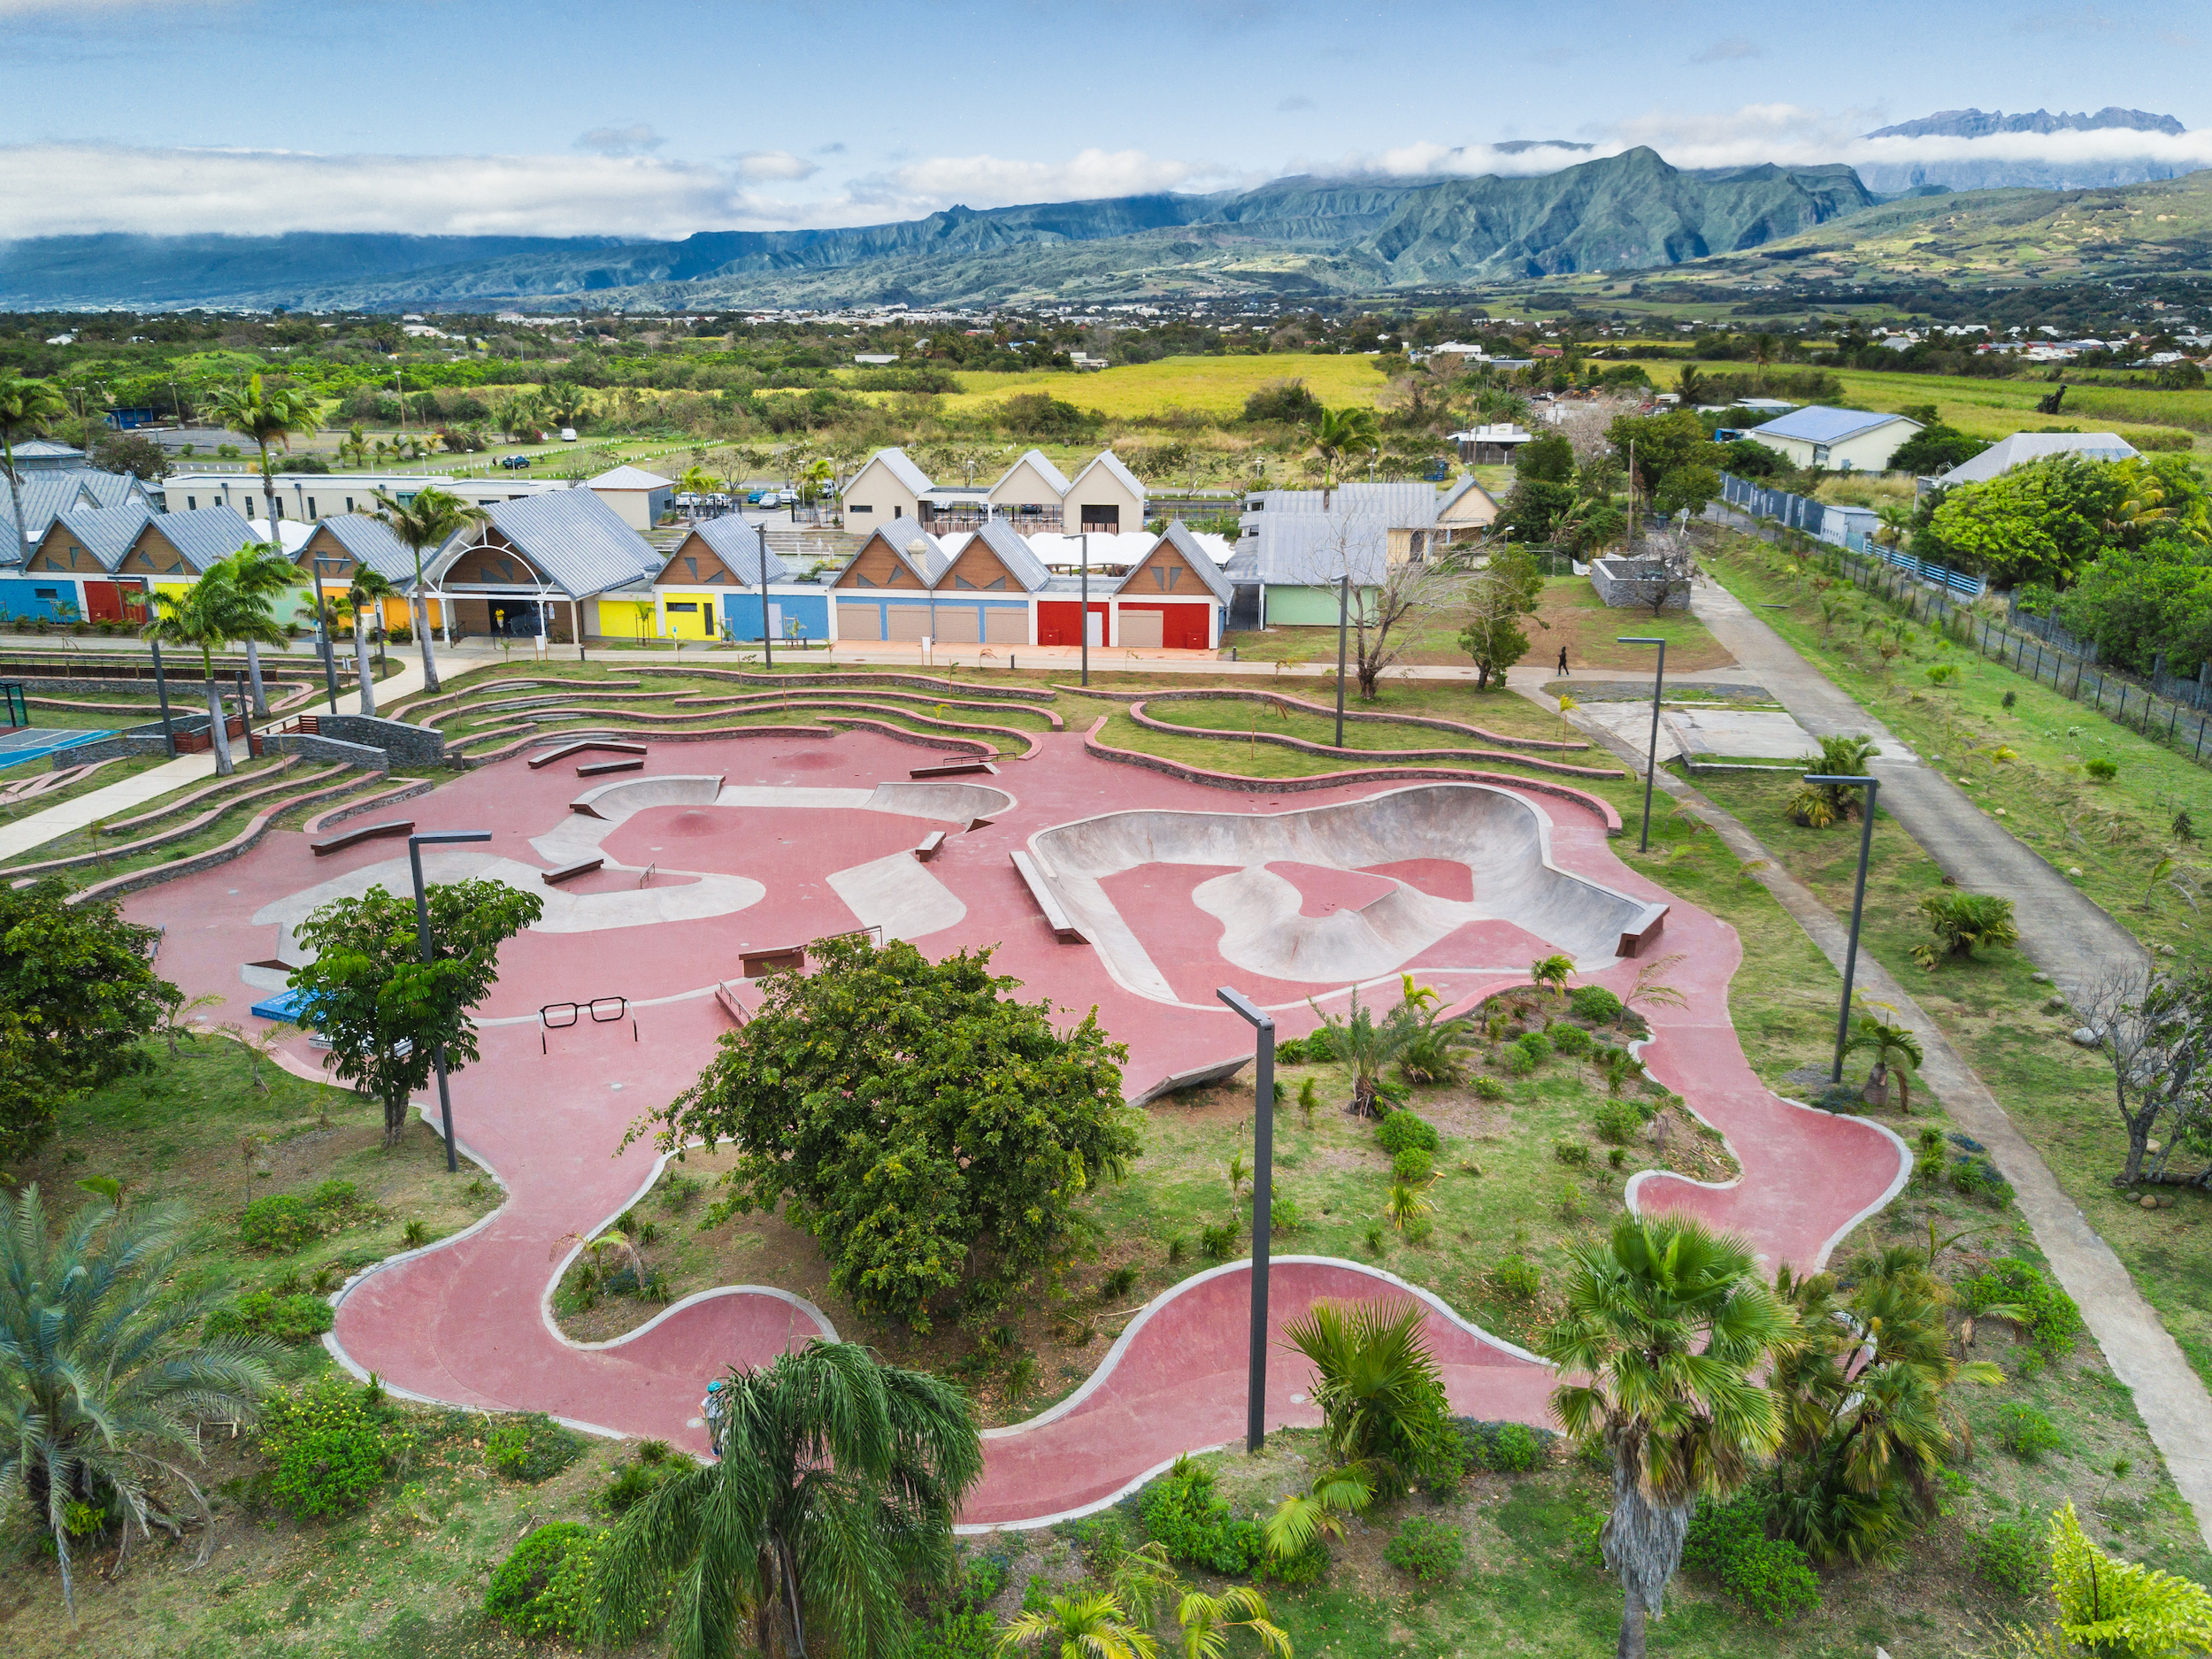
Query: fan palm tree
pixel 1340 432
pixel 206 616
pixel 838 1482
pixel 367 592
pixel 424 523
pixel 1381 1396
pixel 1892 1047
pixel 268 416
pixel 102 1384
pixel 1666 1323
pixel 1089 1624
pixel 259 573
pixel 27 406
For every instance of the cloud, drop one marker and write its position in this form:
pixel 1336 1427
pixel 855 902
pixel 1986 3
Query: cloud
pixel 997 181
pixel 773 163
pixel 1293 104
pixel 1735 49
pixel 829 149
pixel 638 140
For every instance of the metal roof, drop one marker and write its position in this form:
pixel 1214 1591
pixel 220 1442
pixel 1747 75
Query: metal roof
pixel 629 478
pixel 1111 461
pixel 901 534
pixel 1451 497
pixel 202 537
pixel 1818 424
pixel 1407 504
pixel 369 541
pixel 902 468
pixel 1195 556
pixel 2024 447
pixel 1312 549
pixel 737 544
pixel 1055 479
pixel 1021 564
pixel 44 453
pixel 47 493
pixel 106 533
pixel 575 539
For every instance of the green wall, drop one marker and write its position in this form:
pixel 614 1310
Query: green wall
pixel 1306 607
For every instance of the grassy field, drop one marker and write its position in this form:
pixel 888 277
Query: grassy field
pixel 1209 385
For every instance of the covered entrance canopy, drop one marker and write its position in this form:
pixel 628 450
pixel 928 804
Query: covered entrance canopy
pixel 531 566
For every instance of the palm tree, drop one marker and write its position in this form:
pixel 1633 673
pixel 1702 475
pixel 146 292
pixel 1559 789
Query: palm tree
pixel 259 572
pixel 428 521
pixel 1554 971
pixel 367 592
pixel 101 1384
pixel 267 415
pixel 1089 1624
pixel 838 1482
pixel 1302 1519
pixel 1369 1045
pixel 1666 1322
pixel 206 616
pixel 1890 1046
pixel 1381 1396
pixel 1207 1621
pixel 1338 433
pixel 27 406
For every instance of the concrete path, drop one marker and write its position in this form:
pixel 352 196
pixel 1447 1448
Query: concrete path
pixel 2063 933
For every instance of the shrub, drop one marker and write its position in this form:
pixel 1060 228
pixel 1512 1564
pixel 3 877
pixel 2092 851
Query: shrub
pixel 1573 1153
pixel 1407 1132
pixel 2026 1433
pixel 636 1481
pixel 2054 1320
pixel 1769 1577
pixel 1977 1178
pixel 1503 1448
pixel 279 1223
pixel 1285 1216
pixel 1489 1088
pixel 1517 1277
pixel 1182 1510
pixel 1571 1041
pixel 1427 1549
pixel 1123 1280
pixel 2101 770
pixel 1618 1122
pixel 2012 1555
pixel 543 1590
pixel 289 1319
pixel 330 1446
pixel 2108 1606
pixel 1308 1567
pixel 1411 1167
pixel 529 1446
pixel 1594 1003
pixel 1570 1202
pixel 1963 923
pixel 1533 1047
pixel 1215 1242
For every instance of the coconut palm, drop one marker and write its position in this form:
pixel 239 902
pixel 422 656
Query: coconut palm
pixel 367 593
pixel 206 616
pixel 425 523
pixel 1554 971
pixel 1381 1396
pixel 1817 805
pixel 1666 1324
pixel 1340 432
pixel 838 1482
pixel 260 574
pixel 1089 1624
pixel 268 416
pixel 1369 1046
pixel 1892 1047
pixel 1207 1620
pixel 102 1384
pixel 27 406
pixel 1305 1518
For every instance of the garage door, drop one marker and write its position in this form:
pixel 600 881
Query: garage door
pixel 1004 626
pixel 1187 627
pixel 859 622
pixel 956 624
pixel 907 622
pixel 1141 629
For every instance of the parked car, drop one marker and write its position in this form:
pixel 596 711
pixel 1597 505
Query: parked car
pixel 752 498
pixel 770 498
pixel 514 463
pixel 568 435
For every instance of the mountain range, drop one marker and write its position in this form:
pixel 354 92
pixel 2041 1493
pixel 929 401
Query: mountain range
pixel 2019 172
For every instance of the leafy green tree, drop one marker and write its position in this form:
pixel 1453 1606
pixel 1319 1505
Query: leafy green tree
pixel 2043 522
pixel 268 415
pixel 835 1490
pixel 78 992
pixel 1818 805
pixel 1288 402
pixel 2139 604
pixel 1686 490
pixel 259 575
pixel 27 407
pixel 366 595
pixel 1662 443
pixel 103 1386
pixel 1498 597
pixel 1381 1394
pixel 1340 432
pixel 384 1010
pixel 1936 448
pixel 428 522
pixel 1963 922
pixel 2110 1606
pixel 1666 1326
pixel 927 1126
pixel 1549 459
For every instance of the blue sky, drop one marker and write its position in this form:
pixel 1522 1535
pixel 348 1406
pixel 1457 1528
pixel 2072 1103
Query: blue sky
pixel 661 118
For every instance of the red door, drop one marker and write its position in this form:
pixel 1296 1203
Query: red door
pixel 1182 626
pixel 1058 621
pixel 103 601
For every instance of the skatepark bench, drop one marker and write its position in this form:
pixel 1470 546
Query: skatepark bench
pixel 566 749
pixel 600 768
pixel 775 959
pixel 569 872
pixel 1635 942
pixel 1047 900
pixel 361 832
pixel 930 845
pixel 954 769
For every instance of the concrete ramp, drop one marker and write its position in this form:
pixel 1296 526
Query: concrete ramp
pixel 617 800
pixel 960 804
pixel 899 895
pixel 1501 840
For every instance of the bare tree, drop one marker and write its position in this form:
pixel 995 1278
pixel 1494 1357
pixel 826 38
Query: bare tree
pixel 1657 573
pixel 2156 1029
pixel 1381 613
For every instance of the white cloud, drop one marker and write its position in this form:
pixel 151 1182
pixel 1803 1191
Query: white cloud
pixel 638 140
pixel 997 181
pixel 1735 49
pixel 773 163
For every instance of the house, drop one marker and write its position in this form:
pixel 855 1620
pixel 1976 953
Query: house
pixel 1491 445
pixel 52 479
pixel 1842 440
pixel 559 566
pixel 984 595
pixel 638 496
pixel 723 581
pixel 2022 447
pixel 308 496
pixel 1420 523
pixel 1288 567
pixel 1105 496
pixel 1032 493
pixel 349 542
pixel 1176 598
pixel 888 488
pixel 71 577
pixel 886 590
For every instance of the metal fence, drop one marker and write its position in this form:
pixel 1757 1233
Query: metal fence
pixel 1851 528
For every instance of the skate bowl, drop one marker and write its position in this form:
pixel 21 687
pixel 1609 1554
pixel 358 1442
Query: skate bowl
pixel 1349 891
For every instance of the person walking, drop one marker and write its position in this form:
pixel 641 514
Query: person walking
pixel 1563 661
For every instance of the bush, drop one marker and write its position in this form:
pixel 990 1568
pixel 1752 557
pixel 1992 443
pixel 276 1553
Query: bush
pixel 1182 1510
pixel 1571 1041
pixel 2054 1320
pixel 1503 1448
pixel 1285 1216
pixel 1307 1568
pixel 1215 1242
pixel 331 1448
pixel 2026 1433
pixel 1618 1122
pixel 1489 1088
pixel 542 1590
pixel 531 1447
pixel 2012 1555
pixel 1574 1153
pixel 1428 1550
pixel 638 1480
pixel 1977 1178
pixel 1533 1047
pixel 1517 1277
pixel 1769 1578
pixel 1411 1167
pixel 1406 1131
pixel 1962 924
pixel 2101 770
pixel 289 1319
pixel 285 1222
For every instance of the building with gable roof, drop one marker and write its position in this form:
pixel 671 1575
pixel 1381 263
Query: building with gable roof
pixel 638 496
pixel 348 542
pixel 2024 447
pixel 888 488
pixel 1030 494
pixel 1033 494
pixel 1843 440
pixel 723 583
pixel 560 566
pixel 70 576
pixel 51 480
pixel 984 596
pixel 1105 496
pixel 885 590
pixel 1175 598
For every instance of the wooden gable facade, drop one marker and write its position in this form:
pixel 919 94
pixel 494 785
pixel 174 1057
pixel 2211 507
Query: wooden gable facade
pixel 496 561
pixel 325 546
pixel 1163 574
pixel 878 564
pixel 153 554
pixel 978 570
pixel 695 564
pixel 58 551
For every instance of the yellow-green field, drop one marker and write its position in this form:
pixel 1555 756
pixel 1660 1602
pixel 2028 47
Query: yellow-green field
pixel 1214 385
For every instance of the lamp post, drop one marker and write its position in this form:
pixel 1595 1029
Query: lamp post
pixel 1651 762
pixel 1858 906
pixel 1343 617
pixel 1263 1210
pixel 322 627
pixel 767 650
pixel 161 690
pixel 415 844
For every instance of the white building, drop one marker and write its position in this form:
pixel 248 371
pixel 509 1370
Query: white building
pixel 314 495
pixel 1842 440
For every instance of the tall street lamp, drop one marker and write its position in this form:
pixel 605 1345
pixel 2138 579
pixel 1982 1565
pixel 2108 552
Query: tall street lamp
pixel 1651 762
pixel 1858 906
pixel 1083 611
pixel 322 627
pixel 415 844
pixel 767 648
pixel 1262 1211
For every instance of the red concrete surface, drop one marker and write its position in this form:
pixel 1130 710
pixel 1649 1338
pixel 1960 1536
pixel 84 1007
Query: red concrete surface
pixel 466 1321
pixel 1324 890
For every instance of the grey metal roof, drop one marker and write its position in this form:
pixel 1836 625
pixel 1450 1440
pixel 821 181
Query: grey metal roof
pixel 739 545
pixel 1108 461
pixel 370 541
pixel 1451 497
pixel 579 542
pixel 1187 544
pixel 2022 447
pixel 1004 540
pixel 1052 475
pixel 106 533
pixel 44 452
pixel 901 534
pixel 902 468
pixel 202 537
pixel 1311 549
pixel 47 493
pixel 1819 423
pixel 1409 505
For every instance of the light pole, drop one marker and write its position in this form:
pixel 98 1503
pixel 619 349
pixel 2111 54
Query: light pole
pixel 1083 625
pixel 1858 906
pixel 415 844
pixel 322 627
pixel 767 650
pixel 1651 762
pixel 1262 1211
pixel 161 690
pixel 1343 617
